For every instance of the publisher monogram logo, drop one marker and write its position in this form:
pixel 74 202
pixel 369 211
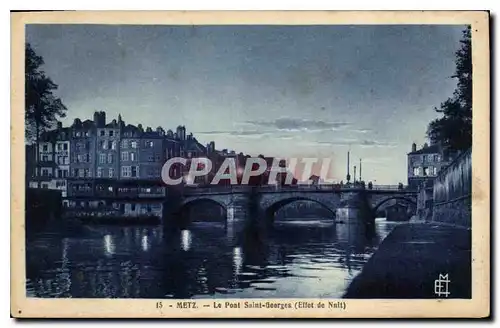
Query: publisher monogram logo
pixel 441 285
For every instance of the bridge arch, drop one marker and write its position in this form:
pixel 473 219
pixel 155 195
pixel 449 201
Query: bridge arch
pixel 397 197
pixel 271 210
pixel 183 210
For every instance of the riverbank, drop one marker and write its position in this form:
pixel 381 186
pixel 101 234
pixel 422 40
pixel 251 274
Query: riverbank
pixel 411 258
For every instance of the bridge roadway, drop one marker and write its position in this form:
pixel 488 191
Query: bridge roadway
pixel 346 203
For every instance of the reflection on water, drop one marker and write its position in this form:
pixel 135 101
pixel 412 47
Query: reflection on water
pixel 297 258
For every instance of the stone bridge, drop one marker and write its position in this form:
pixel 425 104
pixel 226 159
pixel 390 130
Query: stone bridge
pixel 244 202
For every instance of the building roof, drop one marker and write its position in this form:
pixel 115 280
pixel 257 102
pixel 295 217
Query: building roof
pixel 434 149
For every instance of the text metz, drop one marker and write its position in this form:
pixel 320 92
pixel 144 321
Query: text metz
pixel 186 305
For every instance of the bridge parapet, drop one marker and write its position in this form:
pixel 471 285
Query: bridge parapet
pixel 196 190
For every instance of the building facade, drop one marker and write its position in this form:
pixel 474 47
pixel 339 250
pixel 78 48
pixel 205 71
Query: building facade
pixel 424 164
pixel 110 168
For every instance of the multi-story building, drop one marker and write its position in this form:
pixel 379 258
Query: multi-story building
pixel 62 155
pixel 52 170
pixel 46 165
pixel 424 164
pixel 83 146
pixel 107 148
pixel 130 144
pixel 111 167
pixel 152 154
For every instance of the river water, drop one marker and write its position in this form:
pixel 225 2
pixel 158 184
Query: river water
pixel 297 258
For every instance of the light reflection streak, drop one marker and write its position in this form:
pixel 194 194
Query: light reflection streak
pixel 185 240
pixel 109 245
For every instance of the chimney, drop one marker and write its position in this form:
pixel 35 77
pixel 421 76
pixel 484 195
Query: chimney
pixel 426 145
pixel 103 118
pixel 97 115
pixel 100 119
pixel 413 147
pixel 59 125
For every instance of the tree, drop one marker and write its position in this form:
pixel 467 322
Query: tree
pixel 42 107
pixel 454 130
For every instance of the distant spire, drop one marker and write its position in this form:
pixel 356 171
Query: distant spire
pixel 348 177
pixel 360 169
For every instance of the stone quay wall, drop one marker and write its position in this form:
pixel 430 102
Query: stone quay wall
pixel 452 192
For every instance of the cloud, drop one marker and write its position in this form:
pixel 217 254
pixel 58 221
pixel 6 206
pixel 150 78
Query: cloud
pixel 250 134
pixel 295 124
pixel 349 142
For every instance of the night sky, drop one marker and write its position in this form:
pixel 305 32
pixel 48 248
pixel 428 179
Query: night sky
pixel 286 91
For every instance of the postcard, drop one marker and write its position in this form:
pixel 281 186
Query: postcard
pixel 250 164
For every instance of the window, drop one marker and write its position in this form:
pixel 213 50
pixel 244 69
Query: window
pixel 110 145
pixel 426 171
pixel 111 132
pixel 87 156
pixel 132 157
pixel 111 172
pixel 78 134
pixel 45 185
pixel 59 146
pixel 436 158
pixel 65 146
pixel 104 144
pixel 435 170
pixel 125 171
pixel 113 145
pixel 59 174
pixel 416 171
pixel 133 144
pixel 75 172
pixel 45 147
pixel 102 133
pixel 102 158
pixel 110 158
pixel 149 144
pixel 80 173
pixel 134 171
pixel 87 133
pixel 65 173
pixel 99 172
pixel 65 159
pixel 157 158
pixel 124 143
pixel 45 158
pixel 124 156
pixel 45 172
